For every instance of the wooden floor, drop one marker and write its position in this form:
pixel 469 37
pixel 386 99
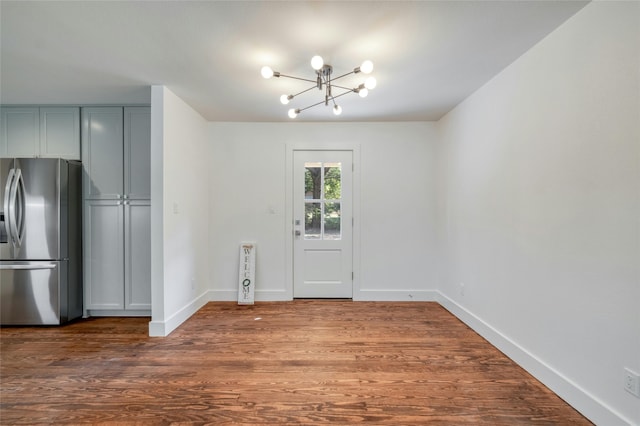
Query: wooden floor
pixel 298 362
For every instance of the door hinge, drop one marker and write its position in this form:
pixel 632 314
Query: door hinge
pixel 352 276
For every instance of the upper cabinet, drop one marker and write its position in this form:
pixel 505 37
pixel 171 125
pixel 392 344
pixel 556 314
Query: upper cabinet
pixel 116 152
pixel 102 152
pixel 137 152
pixel 50 132
pixel 60 132
pixel 20 136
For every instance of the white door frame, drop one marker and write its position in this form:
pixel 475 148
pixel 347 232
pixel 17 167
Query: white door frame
pixel 327 146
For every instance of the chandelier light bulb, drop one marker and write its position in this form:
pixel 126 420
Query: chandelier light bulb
pixel 370 83
pixel 293 113
pixel 366 67
pixel 363 93
pixel 337 109
pixel 266 72
pixel 317 62
pixel 284 99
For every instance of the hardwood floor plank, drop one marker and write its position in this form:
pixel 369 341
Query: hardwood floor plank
pixel 271 363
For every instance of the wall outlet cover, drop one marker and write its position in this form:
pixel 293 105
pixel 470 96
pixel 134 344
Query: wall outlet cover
pixel 632 382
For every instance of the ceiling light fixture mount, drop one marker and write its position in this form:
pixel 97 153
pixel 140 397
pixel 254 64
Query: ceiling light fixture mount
pixel 325 81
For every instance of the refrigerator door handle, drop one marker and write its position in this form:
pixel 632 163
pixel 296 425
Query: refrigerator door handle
pixel 7 191
pixel 29 267
pixel 16 209
pixel 23 207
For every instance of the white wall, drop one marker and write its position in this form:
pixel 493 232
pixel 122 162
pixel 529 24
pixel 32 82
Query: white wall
pixel 540 208
pixel 397 205
pixel 532 187
pixel 179 212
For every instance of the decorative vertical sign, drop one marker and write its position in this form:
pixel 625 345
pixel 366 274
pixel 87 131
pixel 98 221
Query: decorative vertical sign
pixel 247 275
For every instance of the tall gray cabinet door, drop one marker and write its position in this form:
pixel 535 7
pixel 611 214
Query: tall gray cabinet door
pixel 102 152
pixel 60 132
pixel 137 152
pixel 104 254
pixel 20 132
pixel 137 238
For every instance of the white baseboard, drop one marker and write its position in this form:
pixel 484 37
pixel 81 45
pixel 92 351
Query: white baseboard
pixel 117 313
pixel 396 295
pixel 164 328
pixel 587 404
pixel 223 295
pixel 259 296
pixel 358 295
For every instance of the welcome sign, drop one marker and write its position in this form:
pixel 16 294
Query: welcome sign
pixel 247 274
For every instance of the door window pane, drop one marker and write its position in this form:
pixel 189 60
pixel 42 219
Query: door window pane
pixel 312 221
pixel 332 221
pixel 312 181
pixel 332 181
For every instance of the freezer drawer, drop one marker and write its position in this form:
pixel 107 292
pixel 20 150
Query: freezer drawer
pixel 31 293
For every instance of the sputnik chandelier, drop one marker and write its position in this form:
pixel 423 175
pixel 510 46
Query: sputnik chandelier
pixel 324 81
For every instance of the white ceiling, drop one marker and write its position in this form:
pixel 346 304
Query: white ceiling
pixel 428 55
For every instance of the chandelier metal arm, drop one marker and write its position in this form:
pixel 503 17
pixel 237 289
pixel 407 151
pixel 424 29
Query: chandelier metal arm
pixel 304 91
pixel 343 75
pixel 344 88
pixel 343 93
pixel 315 86
pixel 310 106
pixel 321 102
pixel 296 78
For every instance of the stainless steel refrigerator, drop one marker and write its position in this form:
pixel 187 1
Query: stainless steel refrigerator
pixel 40 241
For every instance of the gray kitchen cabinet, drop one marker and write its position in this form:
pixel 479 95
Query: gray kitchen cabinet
pixel 117 256
pixel 103 254
pixel 48 132
pixel 137 153
pixel 103 153
pixel 137 263
pixel 116 159
pixel 60 132
pixel 20 136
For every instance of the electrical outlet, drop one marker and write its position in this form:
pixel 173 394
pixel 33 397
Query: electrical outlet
pixel 461 288
pixel 632 382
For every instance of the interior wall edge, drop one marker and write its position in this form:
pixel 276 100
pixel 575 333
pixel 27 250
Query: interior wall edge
pixel 164 328
pixel 157 194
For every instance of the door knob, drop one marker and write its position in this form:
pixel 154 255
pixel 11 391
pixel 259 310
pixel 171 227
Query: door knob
pixel 297 232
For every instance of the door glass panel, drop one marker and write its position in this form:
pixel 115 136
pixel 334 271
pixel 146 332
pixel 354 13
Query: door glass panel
pixel 332 181
pixel 312 221
pixel 312 181
pixel 332 221
pixel 323 190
